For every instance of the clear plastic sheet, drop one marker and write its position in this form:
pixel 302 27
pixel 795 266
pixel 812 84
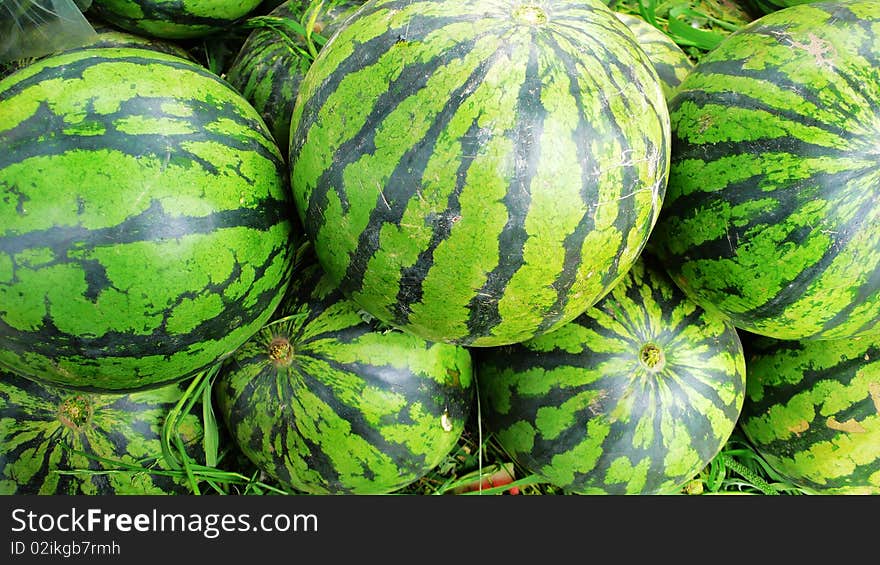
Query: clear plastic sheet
pixel 34 28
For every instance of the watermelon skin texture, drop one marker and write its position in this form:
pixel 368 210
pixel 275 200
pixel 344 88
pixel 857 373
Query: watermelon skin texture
pixel 770 214
pixel 812 411
pixel 172 19
pixel 146 224
pixel 269 67
pixel 762 7
pixel 469 173
pixel 670 61
pixel 353 407
pixel 635 396
pixel 109 36
pixel 48 433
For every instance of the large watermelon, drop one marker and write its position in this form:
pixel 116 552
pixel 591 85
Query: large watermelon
pixel 173 19
pixel 479 172
pixel 771 214
pixel 273 60
pixel 635 396
pixel 325 401
pixel 812 410
pixel 51 440
pixel 146 224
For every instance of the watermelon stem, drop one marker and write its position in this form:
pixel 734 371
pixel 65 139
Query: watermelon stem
pixel 75 412
pixel 652 357
pixel 280 351
pixel 531 15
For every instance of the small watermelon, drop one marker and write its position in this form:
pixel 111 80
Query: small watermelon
pixel 273 60
pixel 146 224
pixel 327 402
pixel 479 171
pixel 635 396
pixel 172 19
pixel 59 441
pixel 812 411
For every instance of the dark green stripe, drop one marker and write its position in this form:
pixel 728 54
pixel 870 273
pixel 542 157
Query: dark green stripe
pixel 180 13
pixel 412 277
pixel 398 190
pixel 483 309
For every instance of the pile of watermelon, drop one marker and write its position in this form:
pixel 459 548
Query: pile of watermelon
pixel 379 223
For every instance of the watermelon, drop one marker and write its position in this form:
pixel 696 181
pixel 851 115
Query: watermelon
pixel 762 7
pixel 58 441
pixel 670 61
pixel 634 396
pixel 479 172
pixel 108 36
pixel 172 19
pixel 770 214
pixel 812 411
pixel 272 61
pixel 326 400
pixel 146 224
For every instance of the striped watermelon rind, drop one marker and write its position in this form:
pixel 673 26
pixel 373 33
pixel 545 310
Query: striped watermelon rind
pixel 769 214
pixel 635 396
pixel 64 442
pixel 271 63
pixel 146 224
pixel 812 411
pixel 109 36
pixel 433 145
pixel 326 401
pixel 173 19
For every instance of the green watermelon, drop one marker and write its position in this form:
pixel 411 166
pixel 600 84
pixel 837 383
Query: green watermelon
pixel 812 411
pixel 173 19
pixel 146 224
pixel 761 7
pixel 478 172
pixel 273 60
pixel 108 36
pixel 770 214
pixel 635 396
pixel 51 439
pixel 327 401
pixel 670 61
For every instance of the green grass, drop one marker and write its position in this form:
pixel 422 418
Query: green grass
pixel 697 26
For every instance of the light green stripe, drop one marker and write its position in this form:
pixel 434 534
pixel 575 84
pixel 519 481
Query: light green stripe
pixel 450 284
pixel 555 209
pixel 406 126
pixel 713 123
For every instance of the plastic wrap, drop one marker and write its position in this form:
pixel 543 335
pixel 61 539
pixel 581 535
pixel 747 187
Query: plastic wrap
pixel 34 28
